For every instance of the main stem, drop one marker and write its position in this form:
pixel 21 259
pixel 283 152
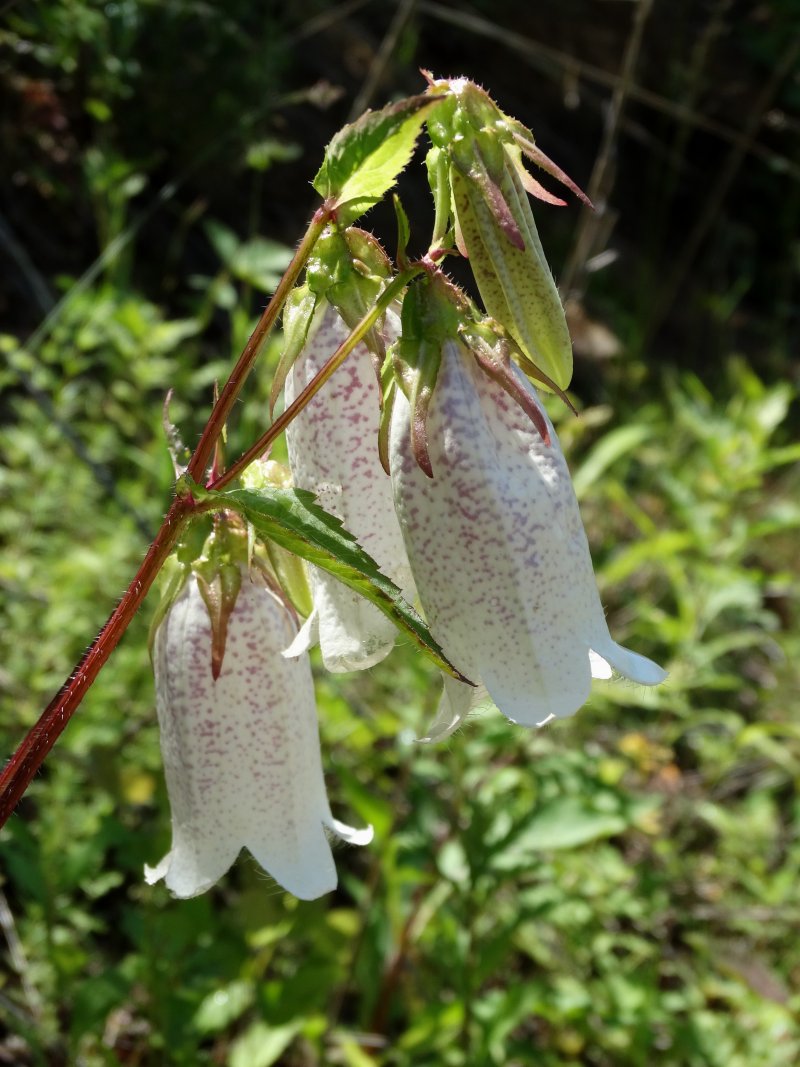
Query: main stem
pixel 227 398
pixel 23 765
pixel 25 762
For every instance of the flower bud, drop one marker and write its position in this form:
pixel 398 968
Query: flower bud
pixel 494 224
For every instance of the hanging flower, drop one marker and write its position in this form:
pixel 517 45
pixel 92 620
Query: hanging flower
pixel 241 751
pixel 498 550
pixel 333 453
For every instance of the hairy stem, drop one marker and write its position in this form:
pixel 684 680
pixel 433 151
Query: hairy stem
pixel 25 762
pixel 227 398
pixel 302 399
pixel 23 765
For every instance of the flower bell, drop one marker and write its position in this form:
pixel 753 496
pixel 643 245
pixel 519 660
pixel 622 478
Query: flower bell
pixel 495 539
pixel 240 743
pixel 333 453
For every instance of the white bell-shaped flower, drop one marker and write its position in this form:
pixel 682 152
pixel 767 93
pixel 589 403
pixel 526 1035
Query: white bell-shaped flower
pixel 499 554
pixel 241 753
pixel 333 452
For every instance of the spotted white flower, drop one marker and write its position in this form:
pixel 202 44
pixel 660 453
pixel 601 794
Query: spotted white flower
pixel 499 553
pixel 241 753
pixel 333 453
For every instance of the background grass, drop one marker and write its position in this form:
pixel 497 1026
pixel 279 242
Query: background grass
pixel 620 889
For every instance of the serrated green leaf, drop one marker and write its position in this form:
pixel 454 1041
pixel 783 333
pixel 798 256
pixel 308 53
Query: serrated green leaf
pixel 363 160
pixel 293 519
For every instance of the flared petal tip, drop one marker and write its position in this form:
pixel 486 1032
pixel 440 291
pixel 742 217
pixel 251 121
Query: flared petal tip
pixel 458 701
pixel 155 874
pixel 552 717
pixel 440 731
pixel 182 883
pixel 350 834
pixel 305 638
pixel 629 664
pixel 358 659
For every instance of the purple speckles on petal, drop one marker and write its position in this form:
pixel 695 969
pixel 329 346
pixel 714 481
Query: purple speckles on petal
pixel 333 452
pixel 241 755
pixel 499 553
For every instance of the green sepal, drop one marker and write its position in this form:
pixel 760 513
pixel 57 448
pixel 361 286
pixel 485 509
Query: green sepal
pixel 289 569
pixel 403 232
pixel 492 353
pixel 363 160
pixel 219 586
pixel 438 167
pixel 440 123
pixel 298 327
pixel 525 141
pixel 388 395
pixel 431 316
pixel 487 181
pixel 178 567
pixel 213 548
pixel 219 578
pixel 349 269
pixel 516 286
pixel 193 538
pixel 293 519
pixel 173 576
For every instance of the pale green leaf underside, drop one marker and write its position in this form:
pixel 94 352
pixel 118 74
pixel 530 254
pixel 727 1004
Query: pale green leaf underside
pixel 293 519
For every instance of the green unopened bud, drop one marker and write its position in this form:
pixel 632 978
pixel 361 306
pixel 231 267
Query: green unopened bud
pixel 515 283
pixel 494 224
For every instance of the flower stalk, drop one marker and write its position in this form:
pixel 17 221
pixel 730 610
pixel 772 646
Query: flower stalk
pixel 265 441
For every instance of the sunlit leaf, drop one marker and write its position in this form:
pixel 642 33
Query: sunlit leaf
pixel 363 160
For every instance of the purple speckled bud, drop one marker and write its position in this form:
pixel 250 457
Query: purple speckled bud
pixel 333 452
pixel 499 554
pixel 241 754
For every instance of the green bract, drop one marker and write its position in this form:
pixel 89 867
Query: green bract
pixel 347 270
pixel 292 519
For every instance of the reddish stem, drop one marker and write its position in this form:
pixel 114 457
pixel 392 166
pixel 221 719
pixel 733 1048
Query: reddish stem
pixel 25 762
pixel 265 441
pixel 227 398
pixel 23 765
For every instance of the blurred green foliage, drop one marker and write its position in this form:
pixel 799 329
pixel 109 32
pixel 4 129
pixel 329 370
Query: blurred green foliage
pixel 618 890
